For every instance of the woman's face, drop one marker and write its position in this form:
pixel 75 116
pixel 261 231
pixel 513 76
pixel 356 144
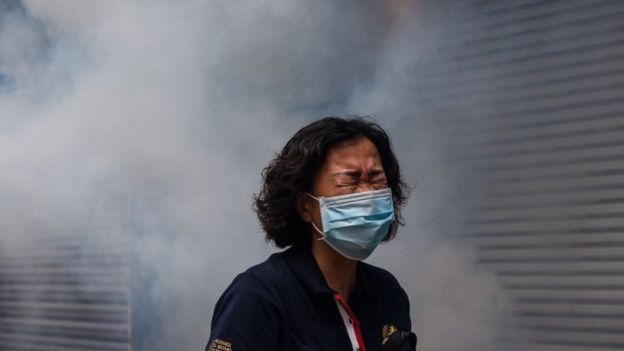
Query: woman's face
pixel 352 166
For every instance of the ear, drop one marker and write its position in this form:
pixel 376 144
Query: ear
pixel 304 207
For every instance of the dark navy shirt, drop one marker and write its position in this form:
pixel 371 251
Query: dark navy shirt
pixel 285 304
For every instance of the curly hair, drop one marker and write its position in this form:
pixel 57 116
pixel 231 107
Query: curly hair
pixel 294 169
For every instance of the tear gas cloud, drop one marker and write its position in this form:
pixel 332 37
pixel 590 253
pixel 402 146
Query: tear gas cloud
pixel 156 118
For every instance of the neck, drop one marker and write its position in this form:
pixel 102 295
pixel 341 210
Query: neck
pixel 338 271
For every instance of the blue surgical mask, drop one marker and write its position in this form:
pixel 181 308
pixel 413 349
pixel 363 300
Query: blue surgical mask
pixel 355 224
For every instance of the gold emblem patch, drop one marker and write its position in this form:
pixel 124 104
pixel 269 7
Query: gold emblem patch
pixel 387 331
pixel 220 345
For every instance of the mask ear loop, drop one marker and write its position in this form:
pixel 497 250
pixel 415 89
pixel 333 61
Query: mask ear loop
pixel 314 225
pixel 320 232
pixel 314 197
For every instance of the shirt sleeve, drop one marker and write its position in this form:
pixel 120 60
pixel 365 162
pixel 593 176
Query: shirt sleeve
pixel 244 320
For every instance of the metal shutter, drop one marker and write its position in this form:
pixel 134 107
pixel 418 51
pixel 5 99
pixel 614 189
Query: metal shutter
pixel 63 290
pixel 543 86
pixel 64 277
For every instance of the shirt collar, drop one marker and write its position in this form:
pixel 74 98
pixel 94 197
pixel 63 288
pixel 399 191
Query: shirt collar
pixel 304 266
pixel 302 263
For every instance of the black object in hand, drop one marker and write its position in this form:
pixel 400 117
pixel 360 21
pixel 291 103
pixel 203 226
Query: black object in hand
pixel 396 340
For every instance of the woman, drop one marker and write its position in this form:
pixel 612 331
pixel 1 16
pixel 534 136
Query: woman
pixel 331 196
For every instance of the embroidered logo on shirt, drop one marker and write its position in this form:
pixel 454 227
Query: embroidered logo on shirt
pixel 220 345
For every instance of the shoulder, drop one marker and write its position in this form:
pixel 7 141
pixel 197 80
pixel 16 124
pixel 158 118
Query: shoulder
pixel 248 313
pixel 261 280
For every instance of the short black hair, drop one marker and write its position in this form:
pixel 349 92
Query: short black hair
pixel 294 169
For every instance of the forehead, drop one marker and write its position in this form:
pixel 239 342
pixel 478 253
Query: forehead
pixel 356 152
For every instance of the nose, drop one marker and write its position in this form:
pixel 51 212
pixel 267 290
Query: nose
pixel 364 186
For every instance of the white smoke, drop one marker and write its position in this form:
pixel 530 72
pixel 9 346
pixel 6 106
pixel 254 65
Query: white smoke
pixel 164 113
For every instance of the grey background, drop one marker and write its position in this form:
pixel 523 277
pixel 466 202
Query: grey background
pixel 133 135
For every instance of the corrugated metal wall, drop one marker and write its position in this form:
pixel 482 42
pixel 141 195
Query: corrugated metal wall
pixel 64 267
pixel 63 288
pixel 543 86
